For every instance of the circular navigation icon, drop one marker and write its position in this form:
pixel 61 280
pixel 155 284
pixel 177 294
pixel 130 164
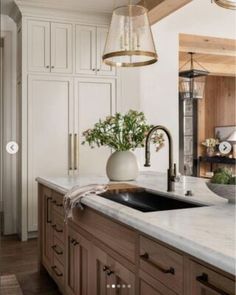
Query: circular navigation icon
pixel 12 147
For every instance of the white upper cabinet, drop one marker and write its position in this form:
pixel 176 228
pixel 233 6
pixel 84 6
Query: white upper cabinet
pixel 85 50
pixel 102 68
pixel 39 46
pixel 49 47
pixel 90 43
pixel 61 48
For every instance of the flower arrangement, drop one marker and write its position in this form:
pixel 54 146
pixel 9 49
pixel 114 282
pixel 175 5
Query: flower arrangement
pixel 211 142
pixel 122 132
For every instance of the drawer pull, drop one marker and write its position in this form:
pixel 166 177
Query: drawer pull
pixel 109 272
pixel 203 280
pixel 105 268
pixel 58 252
pixel 54 226
pixel 58 274
pixel 59 205
pixel 145 257
pixel 47 209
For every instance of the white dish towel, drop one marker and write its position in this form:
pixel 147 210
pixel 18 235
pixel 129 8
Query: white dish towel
pixel 74 196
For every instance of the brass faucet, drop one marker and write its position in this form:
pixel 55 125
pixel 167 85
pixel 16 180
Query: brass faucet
pixel 171 172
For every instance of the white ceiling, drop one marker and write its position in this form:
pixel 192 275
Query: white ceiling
pixel 80 5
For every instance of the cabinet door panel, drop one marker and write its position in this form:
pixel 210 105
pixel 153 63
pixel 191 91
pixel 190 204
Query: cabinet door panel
pixel 205 281
pixel 61 48
pixel 102 68
pixel 78 275
pixel 49 123
pixel 85 50
pixel 39 46
pixel 94 100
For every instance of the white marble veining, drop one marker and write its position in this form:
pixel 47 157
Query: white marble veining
pixel 207 233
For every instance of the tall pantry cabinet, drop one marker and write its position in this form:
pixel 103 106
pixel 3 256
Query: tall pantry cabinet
pixel 65 89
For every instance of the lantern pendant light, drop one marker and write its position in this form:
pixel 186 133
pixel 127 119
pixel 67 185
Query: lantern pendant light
pixel 130 42
pixel 229 4
pixel 192 81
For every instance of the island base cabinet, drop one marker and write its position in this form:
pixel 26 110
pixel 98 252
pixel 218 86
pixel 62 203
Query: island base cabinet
pixel 78 264
pixel 109 276
pixel 205 281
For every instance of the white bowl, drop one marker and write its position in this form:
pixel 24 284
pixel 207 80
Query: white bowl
pixel 227 191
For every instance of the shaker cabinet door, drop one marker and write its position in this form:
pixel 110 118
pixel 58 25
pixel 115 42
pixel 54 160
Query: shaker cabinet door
pixel 61 48
pixel 94 100
pixel 85 49
pixel 102 68
pixel 39 46
pixel 49 125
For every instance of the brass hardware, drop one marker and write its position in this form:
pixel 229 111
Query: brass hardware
pixel 75 151
pixel 58 252
pixel 52 67
pixel 145 257
pixel 203 280
pixel 47 67
pixel 130 53
pixel 54 226
pixel 47 211
pixel 58 274
pixel 109 272
pixel 70 152
pixel 105 268
pixel 93 70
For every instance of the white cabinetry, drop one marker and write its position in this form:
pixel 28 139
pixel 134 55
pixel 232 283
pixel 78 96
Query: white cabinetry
pixel 49 47
pixel 50 103
pixel 94 99
pixel 90 42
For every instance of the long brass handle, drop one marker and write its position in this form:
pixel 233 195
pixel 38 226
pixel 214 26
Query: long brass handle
pixel 145 257
pixel 58 274
pixel 76 151
pixel 70 152
pixel 55 248
pixel 47 210
pixel 203 280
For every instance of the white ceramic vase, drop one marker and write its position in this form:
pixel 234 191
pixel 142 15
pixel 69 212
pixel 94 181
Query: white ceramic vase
pixel 122 166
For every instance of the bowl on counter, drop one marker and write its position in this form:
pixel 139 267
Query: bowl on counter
pixel 227 191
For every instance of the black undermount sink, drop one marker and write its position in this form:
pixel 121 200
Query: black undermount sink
pixel 146 201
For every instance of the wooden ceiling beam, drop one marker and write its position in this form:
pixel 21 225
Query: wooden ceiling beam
pixel 158 9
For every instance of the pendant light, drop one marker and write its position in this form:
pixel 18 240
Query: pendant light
pixel 229 4
pixel 130 42
pixel 192 81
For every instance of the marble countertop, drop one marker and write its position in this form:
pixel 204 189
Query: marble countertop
pixel 207 233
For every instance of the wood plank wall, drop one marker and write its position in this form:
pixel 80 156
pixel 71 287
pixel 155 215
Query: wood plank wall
pixel 218 108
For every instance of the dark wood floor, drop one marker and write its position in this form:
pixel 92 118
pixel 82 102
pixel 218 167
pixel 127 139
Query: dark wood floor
pixel 21 259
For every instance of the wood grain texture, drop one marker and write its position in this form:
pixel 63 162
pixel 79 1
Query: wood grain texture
pixel 218 108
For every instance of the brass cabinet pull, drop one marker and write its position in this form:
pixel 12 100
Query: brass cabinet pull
pixel 70 152
pixel 55 248
pixel 58 274
pixel 47 210
pixel 47 67
pixel 203 280
pixel 54 226
pixel 145 257
pixel 76 151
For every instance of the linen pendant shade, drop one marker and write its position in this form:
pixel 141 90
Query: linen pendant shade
pixel 130 42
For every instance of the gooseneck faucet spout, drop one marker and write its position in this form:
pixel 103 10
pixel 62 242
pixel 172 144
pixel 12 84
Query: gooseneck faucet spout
pixel 171 172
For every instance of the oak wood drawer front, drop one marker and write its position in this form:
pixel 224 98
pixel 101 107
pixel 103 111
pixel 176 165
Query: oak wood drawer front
pixel 57 200
pixel 58 226
pixel 59 250
pixel 206 281
pixel 58 273
pixel 162 263
pixel 117 237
